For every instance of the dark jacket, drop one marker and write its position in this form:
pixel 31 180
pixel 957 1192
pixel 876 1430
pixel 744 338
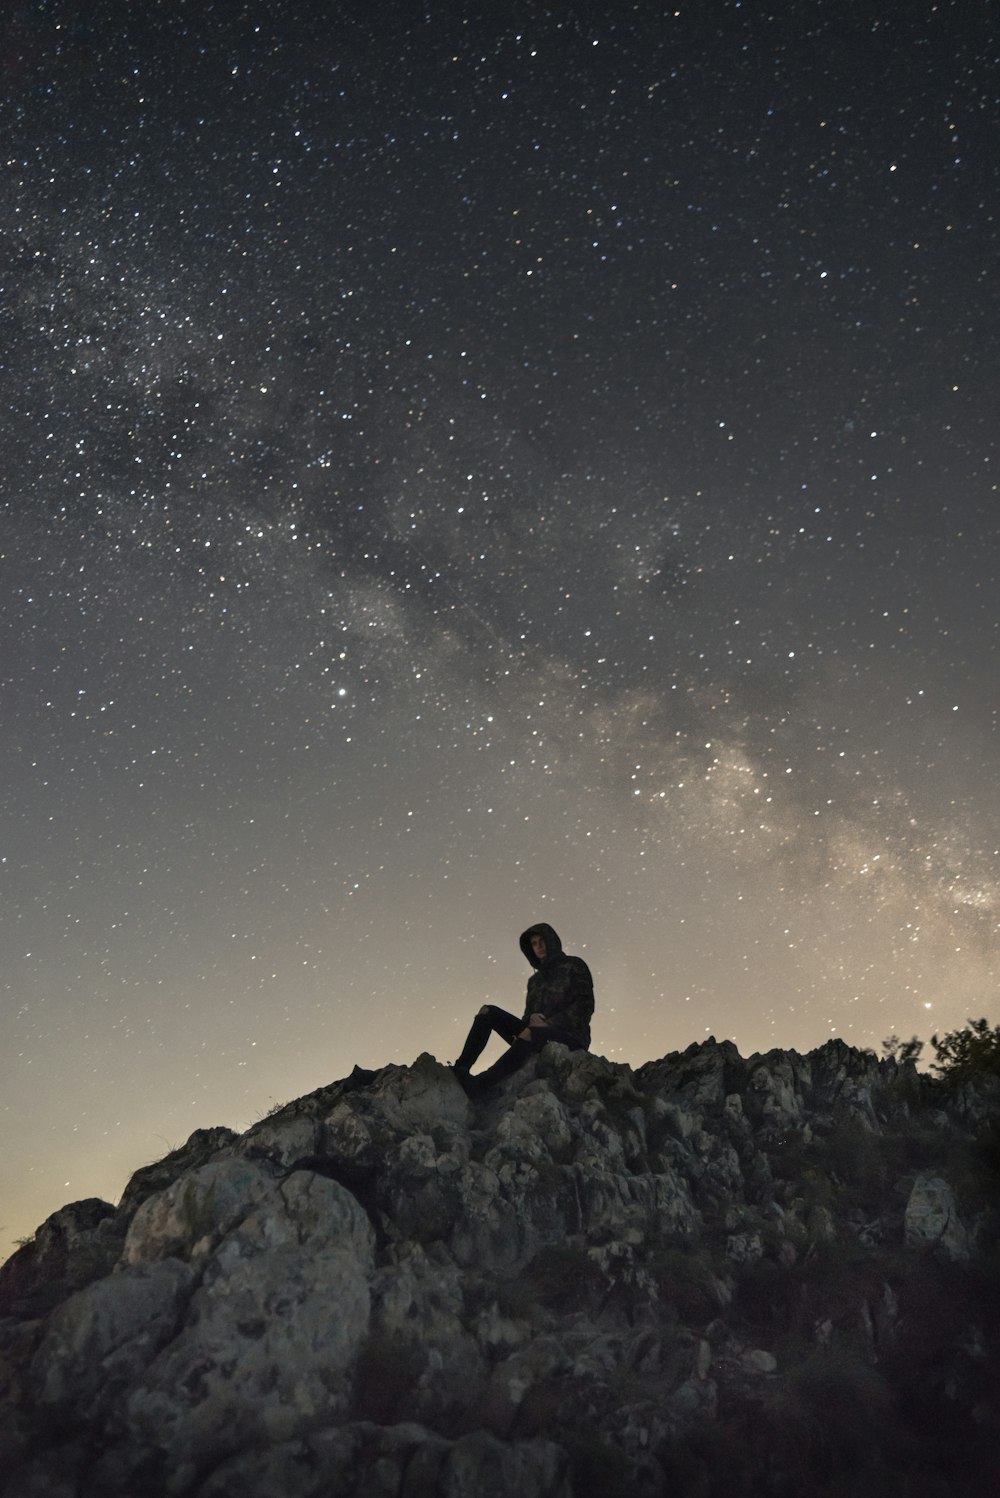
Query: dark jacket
pixel 561 987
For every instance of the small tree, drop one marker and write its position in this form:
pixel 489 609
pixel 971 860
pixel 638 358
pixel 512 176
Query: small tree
pixel 974 1051
pixel 901 1051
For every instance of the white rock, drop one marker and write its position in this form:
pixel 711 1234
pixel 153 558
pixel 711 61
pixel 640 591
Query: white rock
pixel 932 1218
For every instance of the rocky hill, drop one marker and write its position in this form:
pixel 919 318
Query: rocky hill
pixel 710 1275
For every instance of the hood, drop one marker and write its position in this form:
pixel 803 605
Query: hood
pixel 553 945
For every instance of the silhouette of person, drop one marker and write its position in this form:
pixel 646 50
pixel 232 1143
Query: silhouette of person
pixel 558 1006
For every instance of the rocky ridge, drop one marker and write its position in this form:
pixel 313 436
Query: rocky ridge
pixel 707 1275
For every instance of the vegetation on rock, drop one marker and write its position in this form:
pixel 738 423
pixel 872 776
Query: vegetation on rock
pixel 960 1054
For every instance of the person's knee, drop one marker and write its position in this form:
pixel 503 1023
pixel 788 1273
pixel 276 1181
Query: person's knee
pixel 485 1009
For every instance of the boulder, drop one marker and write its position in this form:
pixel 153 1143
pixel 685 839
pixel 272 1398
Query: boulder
pixel 77 1244
pixel 931 1218
pixel 271 1335
pixel 190 1217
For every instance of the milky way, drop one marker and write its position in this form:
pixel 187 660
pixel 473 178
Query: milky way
pixel 471 466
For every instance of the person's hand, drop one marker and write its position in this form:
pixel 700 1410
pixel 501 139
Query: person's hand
pixel 535 1022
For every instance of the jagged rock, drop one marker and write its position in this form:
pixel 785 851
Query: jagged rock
pixel 536 1128
pixel 774 1097
pixel 417 1326
pixel 418 1097
pixel 744 1248
pixel 977 1101
pixel 700 1079
pixel 381 1289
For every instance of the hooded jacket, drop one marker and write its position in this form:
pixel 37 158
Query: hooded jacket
pixel 561 987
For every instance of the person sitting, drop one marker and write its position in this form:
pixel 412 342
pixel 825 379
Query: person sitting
pixel 558 1006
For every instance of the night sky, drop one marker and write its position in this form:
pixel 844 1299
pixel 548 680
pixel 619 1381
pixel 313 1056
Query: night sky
pixel 470 465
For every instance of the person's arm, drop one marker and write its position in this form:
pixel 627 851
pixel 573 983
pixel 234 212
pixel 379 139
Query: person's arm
pixel 535 1022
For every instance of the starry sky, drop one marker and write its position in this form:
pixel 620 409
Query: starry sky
pixel 466 465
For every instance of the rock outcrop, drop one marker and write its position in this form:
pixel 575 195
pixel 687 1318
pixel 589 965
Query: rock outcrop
pixel 706 1276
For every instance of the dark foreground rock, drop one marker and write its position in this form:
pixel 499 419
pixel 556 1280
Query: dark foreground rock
pixel 708 1276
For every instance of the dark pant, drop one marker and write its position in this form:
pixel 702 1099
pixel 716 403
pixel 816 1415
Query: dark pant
pixel 509 1028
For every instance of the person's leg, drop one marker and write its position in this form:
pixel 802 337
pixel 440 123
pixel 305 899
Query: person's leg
pixel 520 1052
pixel 488 1019
pixel 564 1037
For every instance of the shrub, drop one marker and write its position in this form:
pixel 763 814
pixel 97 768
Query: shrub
pixel 686 1281
pixel 825 1429
pixel 848 1400
pixel 561 1277
pixel 974 1051
pixel 902 1051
